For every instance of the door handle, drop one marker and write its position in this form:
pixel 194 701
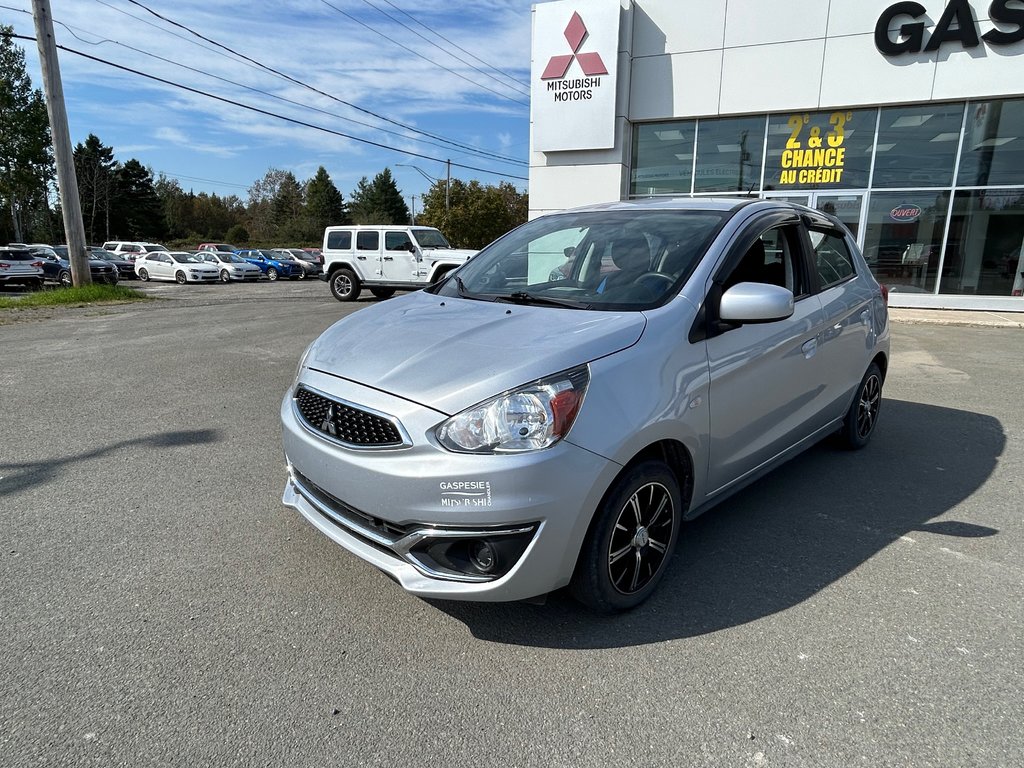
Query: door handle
pixel 389 258
pixel 361 258
pixel 809 347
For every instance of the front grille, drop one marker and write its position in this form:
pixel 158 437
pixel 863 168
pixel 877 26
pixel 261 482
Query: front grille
pixel 346 423
pixel 372 529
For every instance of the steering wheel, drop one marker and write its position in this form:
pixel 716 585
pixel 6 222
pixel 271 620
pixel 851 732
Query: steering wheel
pixel 647 277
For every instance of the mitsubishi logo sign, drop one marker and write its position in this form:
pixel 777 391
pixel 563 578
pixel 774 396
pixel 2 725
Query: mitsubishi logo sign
pixel 575 64
pixel 590 63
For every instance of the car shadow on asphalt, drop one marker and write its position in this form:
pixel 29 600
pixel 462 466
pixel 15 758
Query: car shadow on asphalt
pixel 784 538
pixel 29 474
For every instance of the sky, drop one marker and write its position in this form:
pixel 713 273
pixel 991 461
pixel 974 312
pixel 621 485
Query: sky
pixel 456 70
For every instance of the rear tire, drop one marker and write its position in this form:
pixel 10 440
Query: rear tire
pixel 64 279
pixel 631 539
pixel 383 293
pixel 859 425
pixel 345 285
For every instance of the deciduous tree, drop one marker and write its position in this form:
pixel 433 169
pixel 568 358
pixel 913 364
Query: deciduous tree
pixel 476 214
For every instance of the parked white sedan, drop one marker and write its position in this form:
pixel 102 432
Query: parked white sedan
pixel 230 267
pixel 180 266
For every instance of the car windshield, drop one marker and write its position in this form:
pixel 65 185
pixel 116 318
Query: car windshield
pixel 230 258
pixel 224 247
pixel 603 260
pixel 185 258
pixel 430 238
pixel 271 255
pixel 153 247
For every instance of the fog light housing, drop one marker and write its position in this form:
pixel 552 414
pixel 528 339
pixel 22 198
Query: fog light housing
pixel 479 555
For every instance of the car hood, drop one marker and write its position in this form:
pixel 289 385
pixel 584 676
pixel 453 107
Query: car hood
pixel 455 254
pixel 448 354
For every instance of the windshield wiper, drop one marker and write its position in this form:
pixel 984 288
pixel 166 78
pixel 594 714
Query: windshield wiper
pixel 522 297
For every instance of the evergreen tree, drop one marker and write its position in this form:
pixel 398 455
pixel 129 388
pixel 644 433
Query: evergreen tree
pixel 289 210
pixel 378 201
pixel 325 206
pixel 138 210
pixel 97 186
pixel 26 159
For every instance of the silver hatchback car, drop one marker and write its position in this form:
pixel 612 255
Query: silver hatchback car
pixel 552 412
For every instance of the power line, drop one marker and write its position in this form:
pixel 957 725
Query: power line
pixel 267 113
pixel 414 53
pixel 519 87
pixel 493 68
pixel 268 94
pixel 314 89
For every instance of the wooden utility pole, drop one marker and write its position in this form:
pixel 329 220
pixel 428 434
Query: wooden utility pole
pixel 67 184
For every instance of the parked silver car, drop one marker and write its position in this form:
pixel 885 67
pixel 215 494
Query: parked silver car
pixel 502 434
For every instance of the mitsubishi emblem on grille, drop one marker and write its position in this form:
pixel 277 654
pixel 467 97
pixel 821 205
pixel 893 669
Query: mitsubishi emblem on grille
pixel 328 423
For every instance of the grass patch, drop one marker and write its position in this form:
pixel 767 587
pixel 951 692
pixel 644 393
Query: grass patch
pixel 74 297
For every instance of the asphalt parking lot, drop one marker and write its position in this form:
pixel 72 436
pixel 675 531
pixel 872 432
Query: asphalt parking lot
pixel 162 608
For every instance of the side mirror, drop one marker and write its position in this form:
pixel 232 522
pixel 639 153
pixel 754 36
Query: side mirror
pixel 756 303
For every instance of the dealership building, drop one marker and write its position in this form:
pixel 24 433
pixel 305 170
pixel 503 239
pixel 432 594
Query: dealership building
pixel 905 120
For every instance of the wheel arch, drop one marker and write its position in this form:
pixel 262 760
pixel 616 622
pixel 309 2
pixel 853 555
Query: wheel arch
pixel 334 266
pixel 673 453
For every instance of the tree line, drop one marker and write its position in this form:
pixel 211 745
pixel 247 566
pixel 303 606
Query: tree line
pixel 126 201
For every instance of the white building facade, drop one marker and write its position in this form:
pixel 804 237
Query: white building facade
pixel 905 120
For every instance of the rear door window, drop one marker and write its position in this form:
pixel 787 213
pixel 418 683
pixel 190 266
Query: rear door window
pixel 832 258
pixel 367 241
pixel 341 241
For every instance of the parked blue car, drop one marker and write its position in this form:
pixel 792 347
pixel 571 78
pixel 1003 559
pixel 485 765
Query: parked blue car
pixel 269 264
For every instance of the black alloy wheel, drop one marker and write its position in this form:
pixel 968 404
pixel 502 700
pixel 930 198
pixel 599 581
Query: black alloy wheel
pixel 861 419
pixel 631 539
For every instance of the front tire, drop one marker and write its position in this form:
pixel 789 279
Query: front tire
pixel 272 274
pixel 345 285
pixel 383 293
pixel 225 276
pixel 859 425
pixel 631 540
pixel 180 277
pixel 144 275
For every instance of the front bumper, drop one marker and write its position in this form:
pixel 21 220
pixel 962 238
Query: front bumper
pixel 380 504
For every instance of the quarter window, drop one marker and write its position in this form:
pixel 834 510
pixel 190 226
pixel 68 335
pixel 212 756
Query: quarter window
pixel 341 241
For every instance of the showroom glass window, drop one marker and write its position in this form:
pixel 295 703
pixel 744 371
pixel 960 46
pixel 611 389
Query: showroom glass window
pixel 663 158
pixel 993 151
pixel 903 239
pixel 985 254
pixel 820 150
pixel 729 155
pixel 917 146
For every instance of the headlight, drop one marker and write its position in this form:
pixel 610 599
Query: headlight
pixel 530 418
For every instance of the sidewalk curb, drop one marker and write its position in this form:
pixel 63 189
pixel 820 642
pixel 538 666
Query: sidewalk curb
pixel 975 319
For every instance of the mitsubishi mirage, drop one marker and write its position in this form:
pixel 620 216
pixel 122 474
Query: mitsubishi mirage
pixel 551 412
